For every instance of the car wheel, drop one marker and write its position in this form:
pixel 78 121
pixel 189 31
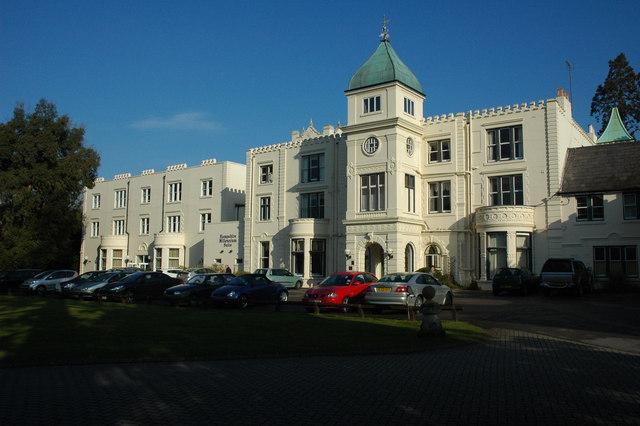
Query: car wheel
pixel 41 290
pixel 345 305
pixel 448 301
pixel 377 309
pixel 546 291
pixel 283 297
pixel 496 292
pixel 525 290
pixel 298 284
pixel 243 302
pixel 127 297
pixel 310 310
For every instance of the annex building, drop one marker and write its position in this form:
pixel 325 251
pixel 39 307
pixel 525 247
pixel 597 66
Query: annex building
pixel 390 191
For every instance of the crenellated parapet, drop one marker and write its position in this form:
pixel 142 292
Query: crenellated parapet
pixel 177 167
pixel 308 136
pixel 488 112
pixel 122 176
pixel 208 162
pixel 147 172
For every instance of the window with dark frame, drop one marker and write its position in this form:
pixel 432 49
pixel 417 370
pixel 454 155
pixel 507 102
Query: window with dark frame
pixel 318 257
pixel 505 143
pixel 312 205
pixel 410 186
pixel 266 173
pixel 175 192
pixel 372 104
pixel 506 190
pixel 631 205
pixel 409 106
pixel 372 192
pixel 265 208
pixel 312 168
pixel 440 197
pixel 206 188
pixel 590 208
pixel 264 254
pixel 297 256
pixel 440 151
pixel 615 260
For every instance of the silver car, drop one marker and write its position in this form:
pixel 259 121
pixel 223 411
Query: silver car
pixel 48 281
pixel 87 290
pixel 281 276
pixel 402 289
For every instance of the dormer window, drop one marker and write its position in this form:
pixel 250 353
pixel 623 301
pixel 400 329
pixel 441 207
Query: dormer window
pixel 372 104
pixel 409 106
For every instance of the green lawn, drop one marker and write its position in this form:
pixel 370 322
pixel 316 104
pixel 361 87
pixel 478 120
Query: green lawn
pixel 36 330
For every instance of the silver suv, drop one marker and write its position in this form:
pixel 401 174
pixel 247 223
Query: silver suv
pixel 564 274
pixel 48 281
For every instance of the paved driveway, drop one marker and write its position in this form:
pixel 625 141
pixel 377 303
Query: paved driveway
pixel 526 374
pixel 609 320
pixel 518 378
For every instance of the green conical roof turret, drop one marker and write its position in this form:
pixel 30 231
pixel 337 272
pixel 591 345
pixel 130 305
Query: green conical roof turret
pixel 615 130
pixel 384 66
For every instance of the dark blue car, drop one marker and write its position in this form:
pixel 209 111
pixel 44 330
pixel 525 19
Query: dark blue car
pixel 250 288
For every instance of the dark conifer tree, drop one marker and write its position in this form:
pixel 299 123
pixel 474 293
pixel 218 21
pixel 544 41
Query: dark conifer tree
pixel 620 89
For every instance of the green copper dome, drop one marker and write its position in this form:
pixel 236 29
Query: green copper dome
pixel 615 130
pixel 384 66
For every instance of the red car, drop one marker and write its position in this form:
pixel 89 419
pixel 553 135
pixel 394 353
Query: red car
pixel 341 287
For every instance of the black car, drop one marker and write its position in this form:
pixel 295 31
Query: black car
pixel 138 286
pixel 514 280
pixel 13 278
pixel 250 288
pixel 197 289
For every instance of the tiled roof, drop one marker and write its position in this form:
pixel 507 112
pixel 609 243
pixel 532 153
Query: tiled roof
pixel 602 168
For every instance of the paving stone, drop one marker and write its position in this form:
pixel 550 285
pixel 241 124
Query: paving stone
pixel 518 378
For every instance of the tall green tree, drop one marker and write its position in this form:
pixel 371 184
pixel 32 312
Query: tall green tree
pixel 620 89
pixel 43 170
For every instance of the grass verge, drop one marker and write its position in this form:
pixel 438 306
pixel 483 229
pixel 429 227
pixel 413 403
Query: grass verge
pixel 40 331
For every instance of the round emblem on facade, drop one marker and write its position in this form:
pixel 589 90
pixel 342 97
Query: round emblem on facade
pixel 410 147
pixel 371 145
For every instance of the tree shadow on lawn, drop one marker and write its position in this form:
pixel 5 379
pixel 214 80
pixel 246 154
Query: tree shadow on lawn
pixel 43 331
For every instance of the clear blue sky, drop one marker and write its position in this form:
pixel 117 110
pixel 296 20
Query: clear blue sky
pixel 157 83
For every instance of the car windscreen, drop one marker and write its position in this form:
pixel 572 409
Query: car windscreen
pixel 559 265
pixel 43 274
pixel 337 280
pixel 506 272
pixel 197 279
pixel 240 281
pixel 261 271
pixel 395 278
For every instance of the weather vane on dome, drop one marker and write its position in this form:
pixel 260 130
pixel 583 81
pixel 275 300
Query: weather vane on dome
pixel 385 31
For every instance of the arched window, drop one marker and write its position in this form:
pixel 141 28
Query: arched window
pixel 434 258
pixel 408 258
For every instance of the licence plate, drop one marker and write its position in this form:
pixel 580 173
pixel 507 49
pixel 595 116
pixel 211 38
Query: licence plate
pixel 383 289
pixel 314 301
pixel 104 297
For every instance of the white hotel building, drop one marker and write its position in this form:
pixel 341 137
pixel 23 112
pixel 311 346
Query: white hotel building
pixel 162 220
pixel 391 191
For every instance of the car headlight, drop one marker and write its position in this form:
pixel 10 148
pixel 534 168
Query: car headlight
pixel 306 293
pixel 330 295
pixel 176 293
pixel 118 288
pixel 232 294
